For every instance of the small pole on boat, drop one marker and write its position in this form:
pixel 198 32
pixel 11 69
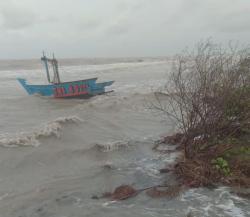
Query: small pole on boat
pixel 55 69
pixel 45 60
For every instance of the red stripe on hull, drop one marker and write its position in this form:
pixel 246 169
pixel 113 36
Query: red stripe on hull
pixel 71 94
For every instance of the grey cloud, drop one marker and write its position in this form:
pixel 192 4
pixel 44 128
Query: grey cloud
pixel 16 18
pixel 231 27
pixel 89 24
pixel 209 17
pixel 121 27
pixel 235 22
pixel 49 19
pixel 235 29
pixel 130 6
pixel 128 15
pixel 229 22
pixel 117 29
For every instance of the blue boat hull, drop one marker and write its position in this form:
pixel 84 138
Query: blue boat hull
pixel 73 89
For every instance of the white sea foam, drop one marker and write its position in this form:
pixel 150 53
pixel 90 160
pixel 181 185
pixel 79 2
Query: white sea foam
pixel 112 146
pixel 221 201
pixel 231 209
pixel 52 128
pixel 112 66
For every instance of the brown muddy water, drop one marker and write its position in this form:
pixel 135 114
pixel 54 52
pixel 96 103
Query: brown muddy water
pixel 53 152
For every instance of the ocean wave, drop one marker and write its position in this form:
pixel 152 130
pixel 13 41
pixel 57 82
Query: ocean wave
pixel 107 67
pixel 52 128
pixel 113 146
pixel 119 101
pixel 219 201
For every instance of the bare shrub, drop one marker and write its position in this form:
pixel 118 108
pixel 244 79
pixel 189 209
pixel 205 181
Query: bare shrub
pixel 208 93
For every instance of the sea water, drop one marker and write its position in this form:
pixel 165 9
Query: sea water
pixel 55 154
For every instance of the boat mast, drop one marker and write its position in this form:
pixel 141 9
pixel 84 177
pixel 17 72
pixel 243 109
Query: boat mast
pixel 54 63
pixel 45 60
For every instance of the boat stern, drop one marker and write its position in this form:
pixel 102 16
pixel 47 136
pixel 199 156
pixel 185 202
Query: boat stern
pixel 99 88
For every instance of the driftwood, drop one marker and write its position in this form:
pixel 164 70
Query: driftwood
pixel 124 192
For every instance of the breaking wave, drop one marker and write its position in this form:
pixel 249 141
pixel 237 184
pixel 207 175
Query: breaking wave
pixel 213 202
pixel 113 146
pixel 52 128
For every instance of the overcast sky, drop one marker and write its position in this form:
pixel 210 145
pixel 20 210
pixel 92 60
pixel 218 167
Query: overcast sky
pixel 116 28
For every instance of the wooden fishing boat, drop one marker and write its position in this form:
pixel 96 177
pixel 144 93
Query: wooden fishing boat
pixel 72 89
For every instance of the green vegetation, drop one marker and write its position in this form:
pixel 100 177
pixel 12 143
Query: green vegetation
pixel 221 164
pixel 208 98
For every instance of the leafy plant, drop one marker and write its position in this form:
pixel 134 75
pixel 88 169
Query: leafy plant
pixel 221 164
